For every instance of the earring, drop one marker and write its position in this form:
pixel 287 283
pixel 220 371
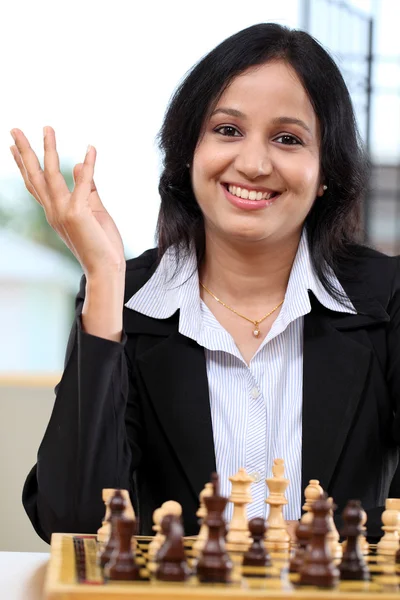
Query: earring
pixel 324 187
pixel 188 165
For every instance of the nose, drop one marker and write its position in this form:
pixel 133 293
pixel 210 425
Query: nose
pixel 253 160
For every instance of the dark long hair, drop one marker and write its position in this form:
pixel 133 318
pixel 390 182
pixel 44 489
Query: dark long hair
pixel 334 220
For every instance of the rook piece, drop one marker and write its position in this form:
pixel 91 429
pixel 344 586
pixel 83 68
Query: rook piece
pixel 117 506
pixel 318 567
pixel 214 564
pixel 238 538
pixel 353 565
pixel 257 555
pixel 122 565
pixel 172 564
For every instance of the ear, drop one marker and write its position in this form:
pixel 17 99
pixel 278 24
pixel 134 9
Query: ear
pixel 321 190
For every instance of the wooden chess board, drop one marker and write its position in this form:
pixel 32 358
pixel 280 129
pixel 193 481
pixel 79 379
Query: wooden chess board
pixel 73 574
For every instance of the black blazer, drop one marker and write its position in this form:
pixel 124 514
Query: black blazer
pixel 136 414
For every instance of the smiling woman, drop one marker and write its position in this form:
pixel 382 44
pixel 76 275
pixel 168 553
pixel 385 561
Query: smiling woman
pixel 260 328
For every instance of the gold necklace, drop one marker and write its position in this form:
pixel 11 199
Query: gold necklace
pixel 256 331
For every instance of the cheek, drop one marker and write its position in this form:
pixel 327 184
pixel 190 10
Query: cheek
pixel 303 177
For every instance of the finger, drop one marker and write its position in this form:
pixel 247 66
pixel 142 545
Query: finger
pixel 21 167
pixel 84 180
pixel 52 173
pixel 32 165
pixel 95 202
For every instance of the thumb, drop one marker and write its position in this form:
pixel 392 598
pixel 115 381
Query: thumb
pixel 76 172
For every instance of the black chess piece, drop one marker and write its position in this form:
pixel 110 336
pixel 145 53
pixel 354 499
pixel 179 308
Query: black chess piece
pixel 353 565
pixel 122 565
pixel 303 537
pixel 172 563
pixel 257 555
pixel 214 565
pixel 318 567
pixel 117 506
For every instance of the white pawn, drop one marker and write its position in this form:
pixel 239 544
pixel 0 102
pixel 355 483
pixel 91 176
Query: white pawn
pixel 277 538
pixel 389 543
pixel 238 538
pixel 202 513
pixel 362 541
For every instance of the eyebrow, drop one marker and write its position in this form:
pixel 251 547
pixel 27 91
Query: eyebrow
pixel 232 112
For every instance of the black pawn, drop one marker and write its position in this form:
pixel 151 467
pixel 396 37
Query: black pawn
pixel 303 536
pixel 122 565
pixel 318 567
pixel 117 507
pixel 172 563
pixel 353 565
pixel 214 565
pixel 257 555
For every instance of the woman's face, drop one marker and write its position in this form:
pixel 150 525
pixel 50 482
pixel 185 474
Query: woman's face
pixel 261 137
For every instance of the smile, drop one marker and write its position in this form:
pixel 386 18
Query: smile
pixel 246 194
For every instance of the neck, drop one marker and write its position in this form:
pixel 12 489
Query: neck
pixel 250 272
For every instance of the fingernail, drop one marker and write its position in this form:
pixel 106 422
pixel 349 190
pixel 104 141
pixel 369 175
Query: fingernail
pixel 44 131
pixel 13 134
pixel 88 148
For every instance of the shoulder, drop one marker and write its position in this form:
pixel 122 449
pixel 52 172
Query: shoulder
pixel 139 270
pixel 366 269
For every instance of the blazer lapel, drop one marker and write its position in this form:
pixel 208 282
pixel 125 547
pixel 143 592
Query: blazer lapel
pixel 173 370
pixel 335 368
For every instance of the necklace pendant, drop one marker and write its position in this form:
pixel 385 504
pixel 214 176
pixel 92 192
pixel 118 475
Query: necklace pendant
pixel 256 332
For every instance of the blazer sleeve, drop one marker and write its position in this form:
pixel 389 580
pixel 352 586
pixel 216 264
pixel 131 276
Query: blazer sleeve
pixel 393 344
pixel 85 447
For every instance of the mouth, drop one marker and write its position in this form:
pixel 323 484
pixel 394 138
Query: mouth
pixel 254 195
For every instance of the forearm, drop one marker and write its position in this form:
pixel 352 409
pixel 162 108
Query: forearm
pixel 103 306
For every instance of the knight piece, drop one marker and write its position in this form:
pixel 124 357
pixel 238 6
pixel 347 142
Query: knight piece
pixel 353 565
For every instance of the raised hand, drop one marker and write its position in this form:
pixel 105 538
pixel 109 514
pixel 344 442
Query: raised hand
pixel 79 218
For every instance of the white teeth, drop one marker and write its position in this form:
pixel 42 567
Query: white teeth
pixel 253 195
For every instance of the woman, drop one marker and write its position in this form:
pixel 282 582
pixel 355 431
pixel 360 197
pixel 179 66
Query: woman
pixel 258 329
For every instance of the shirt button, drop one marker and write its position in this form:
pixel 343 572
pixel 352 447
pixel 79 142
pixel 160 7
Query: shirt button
pixel 256 476
pixel 255 392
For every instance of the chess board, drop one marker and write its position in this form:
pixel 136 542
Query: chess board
pixel 73 574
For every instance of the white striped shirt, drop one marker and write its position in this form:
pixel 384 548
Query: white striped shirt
pixel 256 409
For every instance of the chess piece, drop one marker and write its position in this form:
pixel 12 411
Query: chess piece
pixel 318 567
pixel 122 565
pixel 117 506
pixel 103 534
pixel 303 537
pixel 353 565
pixel 172 563
pixel 168 508
pixel 214 565
pixel 364 546
pixel 257 555
pixel 389 543
pixel 277 538
pixel 312 493
pixel 202 513
pixel 238 537
pixel 333 534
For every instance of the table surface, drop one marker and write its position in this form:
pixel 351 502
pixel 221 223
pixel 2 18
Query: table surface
pixel 22 575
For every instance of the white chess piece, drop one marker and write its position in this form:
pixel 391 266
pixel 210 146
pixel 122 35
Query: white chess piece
pixel 277 538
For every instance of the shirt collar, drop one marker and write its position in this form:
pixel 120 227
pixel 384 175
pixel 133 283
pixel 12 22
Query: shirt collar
pixel 175 286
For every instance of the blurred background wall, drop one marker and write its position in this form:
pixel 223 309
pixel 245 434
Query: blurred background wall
pixel 102 73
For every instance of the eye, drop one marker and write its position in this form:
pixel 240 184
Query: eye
pixel 227 130
pixel 288 140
